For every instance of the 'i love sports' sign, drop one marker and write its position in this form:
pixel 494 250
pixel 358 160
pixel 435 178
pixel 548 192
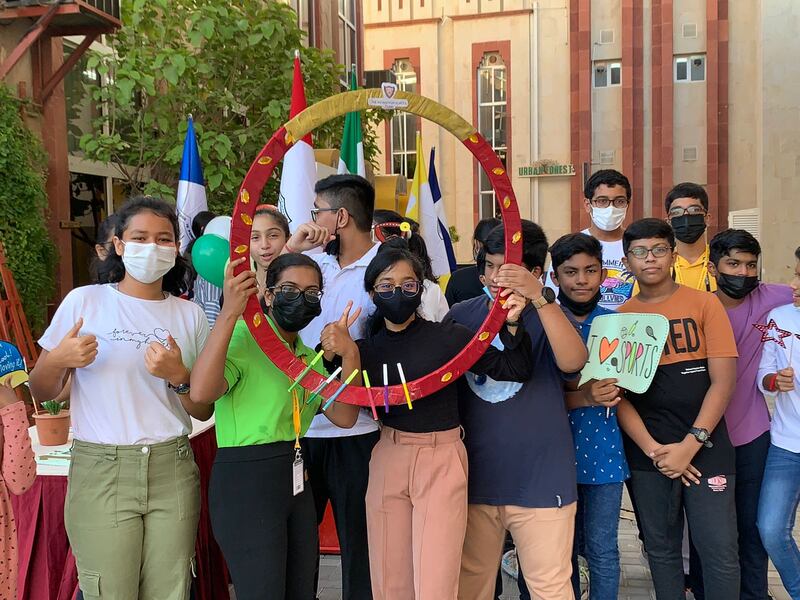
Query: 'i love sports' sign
pixel 627 347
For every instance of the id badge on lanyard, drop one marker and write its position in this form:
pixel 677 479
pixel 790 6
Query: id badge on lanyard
pixel 298 472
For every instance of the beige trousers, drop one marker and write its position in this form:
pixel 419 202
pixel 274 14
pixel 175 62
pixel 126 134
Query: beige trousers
pixel 543 537
pixel 416 514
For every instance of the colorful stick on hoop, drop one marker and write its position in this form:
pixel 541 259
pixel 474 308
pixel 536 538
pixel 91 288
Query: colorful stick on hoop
pixel 386 387
pixel 323 385
pixel 342 387
pixel 305 372
pixel 405 386
pixel 369 393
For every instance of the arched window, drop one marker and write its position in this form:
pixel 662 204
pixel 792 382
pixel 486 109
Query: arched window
pixel 492 121
pixel 404 125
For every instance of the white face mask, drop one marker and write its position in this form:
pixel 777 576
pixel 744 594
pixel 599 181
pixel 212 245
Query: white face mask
pixel 609 218
pixel 148 262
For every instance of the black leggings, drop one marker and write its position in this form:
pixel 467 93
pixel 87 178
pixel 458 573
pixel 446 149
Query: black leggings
pixel 268 536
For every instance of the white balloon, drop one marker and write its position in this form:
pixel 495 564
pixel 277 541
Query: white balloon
pixel 220 226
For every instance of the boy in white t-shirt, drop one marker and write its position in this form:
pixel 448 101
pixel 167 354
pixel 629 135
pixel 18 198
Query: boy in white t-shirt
pixel 780 488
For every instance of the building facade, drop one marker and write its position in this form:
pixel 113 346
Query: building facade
pixel 662 90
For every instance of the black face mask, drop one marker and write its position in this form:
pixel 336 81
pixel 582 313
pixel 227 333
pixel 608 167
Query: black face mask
pixel 293 315
pixel 736 286
pixel 579 309
pixel 399 308
pixel 688 228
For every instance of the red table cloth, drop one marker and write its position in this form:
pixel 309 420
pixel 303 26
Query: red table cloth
pixel 46 566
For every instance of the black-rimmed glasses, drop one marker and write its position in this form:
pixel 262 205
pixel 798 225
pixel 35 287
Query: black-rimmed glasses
pixel 290 292
pixel 408 288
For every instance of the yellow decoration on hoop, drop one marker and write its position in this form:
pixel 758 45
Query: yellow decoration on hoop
pixel 484 336
pixel 265 160
pixel 246 219
pixel 257 319
pixel 498 171
pixel 473 138
pixel 506 202
pixel 516 237
pixel 289 139
pixel 244 196
pixel 447 377
pixel 241 249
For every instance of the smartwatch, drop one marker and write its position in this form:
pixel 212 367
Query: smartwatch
pixel 548 297
pixel 702 436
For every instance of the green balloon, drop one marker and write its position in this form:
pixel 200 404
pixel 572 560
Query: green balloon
pixel 209 254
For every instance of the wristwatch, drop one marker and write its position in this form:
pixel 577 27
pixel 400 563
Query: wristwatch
pixel 179 389
pixel 548 297
pixel 702 436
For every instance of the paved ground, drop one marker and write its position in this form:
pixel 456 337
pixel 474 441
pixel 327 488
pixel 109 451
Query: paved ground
pixel 634 585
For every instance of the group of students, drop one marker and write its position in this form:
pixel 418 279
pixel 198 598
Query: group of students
pixel 423 499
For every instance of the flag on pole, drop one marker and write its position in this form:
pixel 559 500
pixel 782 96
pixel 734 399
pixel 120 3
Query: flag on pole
pixel 351 155
pixel 191 187
pixel 438 205
pixel 421 209
pixel 299 166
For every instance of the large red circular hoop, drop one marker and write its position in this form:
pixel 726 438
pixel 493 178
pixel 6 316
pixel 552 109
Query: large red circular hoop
pixel 260 172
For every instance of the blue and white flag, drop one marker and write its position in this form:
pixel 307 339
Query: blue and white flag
pixel 438 204
pixel 191 187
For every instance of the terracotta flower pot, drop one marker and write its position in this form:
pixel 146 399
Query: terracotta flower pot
pixel 53 430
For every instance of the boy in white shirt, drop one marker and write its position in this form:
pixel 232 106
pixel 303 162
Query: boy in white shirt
pixel 780 490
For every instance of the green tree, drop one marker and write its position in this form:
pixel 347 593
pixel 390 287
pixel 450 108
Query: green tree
pixel 23 201
pixel 229 65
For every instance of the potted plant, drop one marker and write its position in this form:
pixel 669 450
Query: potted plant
pixel 52 425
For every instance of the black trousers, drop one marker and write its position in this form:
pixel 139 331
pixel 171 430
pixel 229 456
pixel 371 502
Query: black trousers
pixel 753 563
pixel 268 536
pixel 339 472
pixel 711 512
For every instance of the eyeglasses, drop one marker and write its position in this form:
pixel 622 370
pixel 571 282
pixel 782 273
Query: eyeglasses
pixel 691 210
pixel 290 292
pixel 641 252
pixel 605 202
pixel 409 289
pixel 315 212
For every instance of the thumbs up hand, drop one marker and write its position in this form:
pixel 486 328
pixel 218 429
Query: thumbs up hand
pixel 335 337
pixel 75 351
pixel 166 362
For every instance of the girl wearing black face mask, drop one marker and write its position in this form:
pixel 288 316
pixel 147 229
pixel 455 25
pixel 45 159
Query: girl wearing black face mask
pixel 267 529
pixel 418 469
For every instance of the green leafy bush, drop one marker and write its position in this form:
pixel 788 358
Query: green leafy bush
pixel 23 201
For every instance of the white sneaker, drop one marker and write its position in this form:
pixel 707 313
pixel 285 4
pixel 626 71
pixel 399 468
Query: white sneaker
pixel 509 564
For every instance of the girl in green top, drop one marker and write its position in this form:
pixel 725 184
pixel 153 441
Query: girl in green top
pixel 262 510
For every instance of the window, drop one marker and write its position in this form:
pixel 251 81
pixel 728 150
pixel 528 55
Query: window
pixel 492 122
pixel 607 74
pixel 305 18
pixel 404 125
pixel 348 40
pixel 690 68
pixel 81 107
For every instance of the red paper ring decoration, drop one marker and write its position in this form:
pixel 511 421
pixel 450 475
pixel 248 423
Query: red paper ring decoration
pixel 260 172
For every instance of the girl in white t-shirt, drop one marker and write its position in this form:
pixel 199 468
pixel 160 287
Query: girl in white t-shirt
pixel 133 498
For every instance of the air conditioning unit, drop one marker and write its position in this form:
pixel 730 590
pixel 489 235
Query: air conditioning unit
pixel 689 30
pixel 747 219
pixel 606 157
pixel 689 153
pixel 606 36
pixel 374 79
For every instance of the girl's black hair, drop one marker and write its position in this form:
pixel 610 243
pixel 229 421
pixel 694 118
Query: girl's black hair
pixel 286 261
pixel 99 268
pixel 277 216
pixel 176 281
pixel 390 253
pixel 415 243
